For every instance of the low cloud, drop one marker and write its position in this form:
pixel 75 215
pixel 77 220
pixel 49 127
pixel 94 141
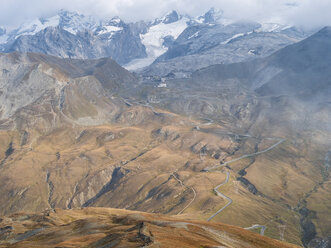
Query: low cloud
pixel 304 13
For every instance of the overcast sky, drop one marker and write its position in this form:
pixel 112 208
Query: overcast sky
pixel 307 13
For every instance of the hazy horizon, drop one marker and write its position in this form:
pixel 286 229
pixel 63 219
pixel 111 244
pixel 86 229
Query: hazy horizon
pixel 305 13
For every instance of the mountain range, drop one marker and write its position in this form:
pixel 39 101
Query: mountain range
pixel 220 121
pixel 207 39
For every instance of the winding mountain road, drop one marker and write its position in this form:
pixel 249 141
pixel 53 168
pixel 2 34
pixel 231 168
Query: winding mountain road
pixel 245 156
pixel 183 185
pixel 207 169
pixel 151 107
pixel 146 104
pixel 222 195
pixel 256 226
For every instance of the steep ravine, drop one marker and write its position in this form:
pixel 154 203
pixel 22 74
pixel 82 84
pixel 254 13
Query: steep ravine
pixel 309 236
pixel 117 175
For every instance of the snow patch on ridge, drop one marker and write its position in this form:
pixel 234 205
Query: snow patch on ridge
pixel 272 27
pixel 109 29
pixel 196 34
pixel 234 37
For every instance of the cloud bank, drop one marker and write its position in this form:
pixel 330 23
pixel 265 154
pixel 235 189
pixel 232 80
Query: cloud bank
pixel 304 13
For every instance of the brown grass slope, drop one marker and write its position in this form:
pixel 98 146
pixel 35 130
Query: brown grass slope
pixel 101 227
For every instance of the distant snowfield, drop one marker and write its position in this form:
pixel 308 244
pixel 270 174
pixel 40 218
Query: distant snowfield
pixel 153 41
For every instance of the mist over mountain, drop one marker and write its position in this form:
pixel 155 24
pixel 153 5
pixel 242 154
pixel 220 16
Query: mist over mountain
pixel 299 69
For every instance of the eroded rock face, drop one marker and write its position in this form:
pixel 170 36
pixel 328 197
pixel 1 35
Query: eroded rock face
pixel 86 190
pixel 42 88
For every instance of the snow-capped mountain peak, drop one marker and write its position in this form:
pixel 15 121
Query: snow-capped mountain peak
pixel 69 21
pixel 116 21
pixel 74 22
pixel 33 27
pixel 171 17
pixel 168 18
pixel 110 27
pixel 212 16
